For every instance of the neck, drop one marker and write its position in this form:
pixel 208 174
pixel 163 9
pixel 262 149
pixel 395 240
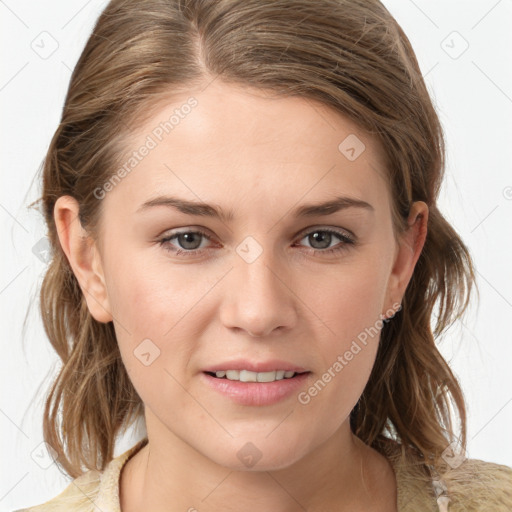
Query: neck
pixel 169 475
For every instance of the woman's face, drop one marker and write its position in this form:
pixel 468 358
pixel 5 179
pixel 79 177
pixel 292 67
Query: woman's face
pixel 265 281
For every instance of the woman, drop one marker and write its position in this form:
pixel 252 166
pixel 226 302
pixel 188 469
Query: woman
pixel 241 197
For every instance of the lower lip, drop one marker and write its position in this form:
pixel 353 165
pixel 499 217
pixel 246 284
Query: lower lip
pixel 257 393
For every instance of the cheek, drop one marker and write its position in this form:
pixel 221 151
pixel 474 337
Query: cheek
pixel 149 315
pixel 349 304
pixel 348 301
pixel 147 298
pixel 158 313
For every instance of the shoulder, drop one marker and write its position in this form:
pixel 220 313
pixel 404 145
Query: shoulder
pixel 93 491
pixel 469 485
pixel 77 496
pixel 478 485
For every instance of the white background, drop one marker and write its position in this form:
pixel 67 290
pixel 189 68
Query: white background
pixel 473 95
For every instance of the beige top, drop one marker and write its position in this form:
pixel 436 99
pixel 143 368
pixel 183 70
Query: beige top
pixel 473 486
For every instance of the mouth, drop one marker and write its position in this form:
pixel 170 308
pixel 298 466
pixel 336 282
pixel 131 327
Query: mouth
pixel 256 388
pixel 250 376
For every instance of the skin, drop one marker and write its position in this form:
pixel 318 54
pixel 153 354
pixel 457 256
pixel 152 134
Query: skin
pixel 265 156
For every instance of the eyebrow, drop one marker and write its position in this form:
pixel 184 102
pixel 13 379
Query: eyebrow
pixel 207 210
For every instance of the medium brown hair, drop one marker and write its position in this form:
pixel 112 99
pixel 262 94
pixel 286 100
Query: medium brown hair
pixel 350 55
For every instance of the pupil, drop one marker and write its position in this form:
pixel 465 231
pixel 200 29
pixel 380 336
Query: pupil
pixel 188 238
pixel 323 236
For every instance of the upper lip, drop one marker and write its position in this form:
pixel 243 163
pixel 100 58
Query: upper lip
pixel 255 366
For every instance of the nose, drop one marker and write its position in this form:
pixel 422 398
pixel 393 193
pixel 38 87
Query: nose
pixel 260 299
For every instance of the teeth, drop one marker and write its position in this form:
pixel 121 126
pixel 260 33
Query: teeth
pixel 248 376
pixel 265 376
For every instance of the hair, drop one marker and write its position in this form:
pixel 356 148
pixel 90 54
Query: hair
pixel 350 55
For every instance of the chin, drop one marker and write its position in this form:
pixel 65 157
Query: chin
pixel 258 456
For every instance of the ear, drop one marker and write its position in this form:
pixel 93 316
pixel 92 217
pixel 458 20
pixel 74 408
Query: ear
pixel 407 254
pixel 83 256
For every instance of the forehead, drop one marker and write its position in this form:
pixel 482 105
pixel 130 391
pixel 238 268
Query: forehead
pixel 236 146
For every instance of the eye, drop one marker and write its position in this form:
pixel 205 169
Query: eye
pixel 190 243
pixel 321 239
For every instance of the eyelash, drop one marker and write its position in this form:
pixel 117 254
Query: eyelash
pixel 347 242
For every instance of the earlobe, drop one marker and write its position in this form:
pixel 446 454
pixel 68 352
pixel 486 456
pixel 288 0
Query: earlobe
pixel 411 244
pixel 83 257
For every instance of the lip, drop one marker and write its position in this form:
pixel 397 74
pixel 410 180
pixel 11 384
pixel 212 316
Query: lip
pixel 255 366
pixel 256 393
